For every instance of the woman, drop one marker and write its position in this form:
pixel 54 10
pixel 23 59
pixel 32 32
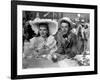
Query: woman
pixel 44 44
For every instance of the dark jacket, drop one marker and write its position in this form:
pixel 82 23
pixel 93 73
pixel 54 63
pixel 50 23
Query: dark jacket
pixel 66 44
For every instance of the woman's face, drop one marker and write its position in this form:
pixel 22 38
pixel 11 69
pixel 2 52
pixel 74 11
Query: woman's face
pixel 64 27
pixel 43 31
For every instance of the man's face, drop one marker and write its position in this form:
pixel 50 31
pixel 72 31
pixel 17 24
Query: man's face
pixel 43 31
pixel 64 26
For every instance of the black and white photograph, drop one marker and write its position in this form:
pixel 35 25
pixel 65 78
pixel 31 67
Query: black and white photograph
pixel 53 39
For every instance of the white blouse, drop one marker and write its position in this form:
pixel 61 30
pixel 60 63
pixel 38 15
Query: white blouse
pixel 39 43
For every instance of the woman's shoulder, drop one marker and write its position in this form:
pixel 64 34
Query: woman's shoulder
pixel 34 39
pixel 51 39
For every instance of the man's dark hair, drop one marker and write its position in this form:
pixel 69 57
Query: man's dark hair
pixel 69 28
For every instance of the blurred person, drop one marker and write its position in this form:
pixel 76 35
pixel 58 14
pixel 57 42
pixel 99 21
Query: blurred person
pixel 86 33
pixel 83 36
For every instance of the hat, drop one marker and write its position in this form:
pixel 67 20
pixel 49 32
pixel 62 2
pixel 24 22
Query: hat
pixel 66 19
pixel 53 25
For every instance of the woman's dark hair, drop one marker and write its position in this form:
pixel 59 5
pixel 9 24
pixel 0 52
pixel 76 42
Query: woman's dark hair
pixel 44 25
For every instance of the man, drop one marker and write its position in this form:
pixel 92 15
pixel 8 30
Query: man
pixel 66 39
